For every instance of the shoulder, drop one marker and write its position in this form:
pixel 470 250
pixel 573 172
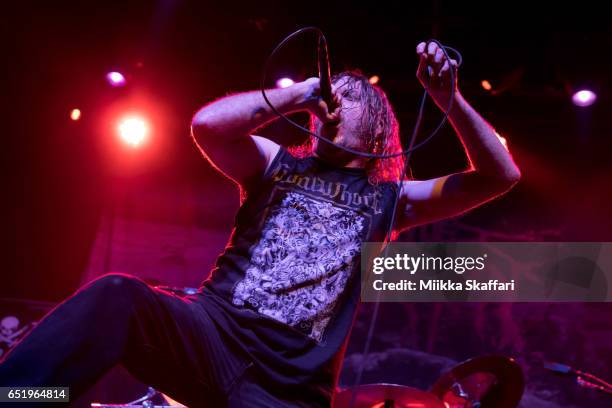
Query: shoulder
pixel 267 148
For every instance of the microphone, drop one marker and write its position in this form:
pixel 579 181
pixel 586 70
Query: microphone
pixel 324 75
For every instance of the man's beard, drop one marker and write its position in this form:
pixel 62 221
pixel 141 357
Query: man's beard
pixel 330 132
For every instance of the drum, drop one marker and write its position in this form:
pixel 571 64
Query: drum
pixel 385 396
pixel 482 382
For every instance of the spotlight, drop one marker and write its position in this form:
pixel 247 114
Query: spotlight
pixel 374 79
pixel 133 130
pixel 115 78
pixel 486 85
pixel 75 114
pixel 584 97
pixel 502 140
pixel 284 82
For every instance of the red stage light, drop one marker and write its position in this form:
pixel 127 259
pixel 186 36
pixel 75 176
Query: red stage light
pixel 133 130
pixel 75 114
pixel 374 79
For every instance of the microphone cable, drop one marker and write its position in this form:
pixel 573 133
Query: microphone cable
pixel 348 149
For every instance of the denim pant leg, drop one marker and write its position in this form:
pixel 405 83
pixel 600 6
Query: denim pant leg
pixel 165 341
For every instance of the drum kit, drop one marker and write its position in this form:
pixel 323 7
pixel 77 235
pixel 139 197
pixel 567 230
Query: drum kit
pixel 482 382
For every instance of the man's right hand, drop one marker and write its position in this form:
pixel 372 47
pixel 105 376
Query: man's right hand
pixel 314 103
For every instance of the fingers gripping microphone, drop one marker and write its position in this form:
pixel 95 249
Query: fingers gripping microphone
pixel 324 75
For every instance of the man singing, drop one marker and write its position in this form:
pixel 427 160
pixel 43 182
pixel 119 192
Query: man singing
pixel 270 325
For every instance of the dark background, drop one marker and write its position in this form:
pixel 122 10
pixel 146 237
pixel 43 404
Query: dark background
pixel 64 178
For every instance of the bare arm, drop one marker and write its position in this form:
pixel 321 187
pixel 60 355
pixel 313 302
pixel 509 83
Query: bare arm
pixel 222 129
pixel 492 171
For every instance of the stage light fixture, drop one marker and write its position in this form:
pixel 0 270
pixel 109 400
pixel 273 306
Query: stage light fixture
pixel 284 82
pixel 116 79
pixel 584 97
pixel 75 114
pixel 133 130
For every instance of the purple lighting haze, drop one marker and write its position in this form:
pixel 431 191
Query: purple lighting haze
pixel 584 97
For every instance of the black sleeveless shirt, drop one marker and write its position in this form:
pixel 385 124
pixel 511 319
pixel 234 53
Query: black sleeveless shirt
pixel 286 288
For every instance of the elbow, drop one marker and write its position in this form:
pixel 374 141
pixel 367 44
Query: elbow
pixel 201 126
pixel 200 120
pixel 512 175
pixel 501 182
pixel 509 179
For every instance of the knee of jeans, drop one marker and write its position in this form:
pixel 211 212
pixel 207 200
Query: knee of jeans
pixel 119 282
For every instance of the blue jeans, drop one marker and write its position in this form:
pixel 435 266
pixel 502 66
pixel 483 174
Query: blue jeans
pixel 163 340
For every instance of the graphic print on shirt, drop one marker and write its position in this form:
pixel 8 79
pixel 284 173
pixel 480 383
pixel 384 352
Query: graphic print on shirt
pixel 302 263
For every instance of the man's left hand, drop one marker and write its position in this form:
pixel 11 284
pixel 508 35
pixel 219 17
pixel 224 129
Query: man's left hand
pixel 434 73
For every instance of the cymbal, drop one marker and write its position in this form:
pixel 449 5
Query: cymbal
pixel 494 381
pixel 394 395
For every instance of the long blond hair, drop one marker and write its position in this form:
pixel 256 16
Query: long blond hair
pixel 378 114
